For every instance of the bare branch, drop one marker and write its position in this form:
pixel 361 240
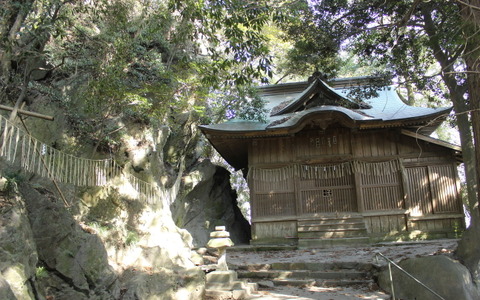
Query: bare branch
pixel 468 5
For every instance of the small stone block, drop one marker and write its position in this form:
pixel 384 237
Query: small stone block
pixel 196 258
pixel 3 184
pixel 218 294
pixel 219 243
pixel 239 294
pixel 219 234
pixel 202 251
pixel 252 287
pixel 220 228
pixel 222 276
pixel 266 284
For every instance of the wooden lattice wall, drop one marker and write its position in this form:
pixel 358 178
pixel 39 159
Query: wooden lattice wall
pixel 386 176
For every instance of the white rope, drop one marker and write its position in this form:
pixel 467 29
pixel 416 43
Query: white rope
pixel 273 175
pixel 45 161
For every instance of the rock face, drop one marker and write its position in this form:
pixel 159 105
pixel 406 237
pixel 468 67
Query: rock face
pixel 72 257
pixel 445 276
pixel 45 253
pixel 18 254
pixel 210 202
pixel 5 290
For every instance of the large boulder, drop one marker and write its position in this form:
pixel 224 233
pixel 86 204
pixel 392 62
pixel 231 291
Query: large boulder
pixel 467 250
pixel 445 276
pixel 159 266
pixel 163 284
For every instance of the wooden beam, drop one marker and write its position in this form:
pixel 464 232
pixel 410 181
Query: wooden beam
pixel 436 217
pixel 391 212
pixel 430 140
pixel 274 219
pixel 27 113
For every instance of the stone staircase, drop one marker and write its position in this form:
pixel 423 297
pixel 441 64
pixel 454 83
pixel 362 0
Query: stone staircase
pixel 332 231
pixel 227 285
pixel 332 274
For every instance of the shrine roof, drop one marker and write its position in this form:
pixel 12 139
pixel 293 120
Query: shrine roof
pixel 290 106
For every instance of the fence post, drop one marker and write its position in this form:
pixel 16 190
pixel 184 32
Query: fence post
pixel 391 281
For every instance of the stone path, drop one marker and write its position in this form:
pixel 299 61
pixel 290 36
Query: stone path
pixel 318 293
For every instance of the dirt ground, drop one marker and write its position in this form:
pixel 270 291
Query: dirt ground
pixel 366 254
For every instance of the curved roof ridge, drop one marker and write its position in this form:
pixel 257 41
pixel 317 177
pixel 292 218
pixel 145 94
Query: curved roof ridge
pixel 317 86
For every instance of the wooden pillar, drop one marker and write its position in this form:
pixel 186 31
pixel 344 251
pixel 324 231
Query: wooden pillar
pixel 298 194
pixel 298 197
pixel 403 184
pixel 406 194
pixel 253 212
pixel 433 193
pixel 358 193
pixel 458 196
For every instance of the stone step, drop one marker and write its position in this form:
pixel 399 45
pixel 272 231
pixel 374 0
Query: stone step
pixel 306 274
pixel 345 282
pixel 283 274
pixel 308 282
pixel 295 282
pixel 305 243
pixel 221 276
pixel 213 294
pixel 253 247
pixel 226 285
pixel 311 266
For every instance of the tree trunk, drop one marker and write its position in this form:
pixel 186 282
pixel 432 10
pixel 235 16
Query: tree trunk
pixel 457 91
pixel 471 17
pixel 470 12
pixel 468 150
pixel 14 20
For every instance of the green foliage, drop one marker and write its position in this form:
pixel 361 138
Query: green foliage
pixel 136 59
pixel 314 45
pixel 457 229
pixel 41 272
pixel 132 238
pixel 13 179
pixel 235 41
pixel 242 102
pixel 397 39
pixel 101 228
pixel 386 41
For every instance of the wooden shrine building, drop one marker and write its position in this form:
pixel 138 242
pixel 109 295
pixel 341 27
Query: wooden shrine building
pixel 325 169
